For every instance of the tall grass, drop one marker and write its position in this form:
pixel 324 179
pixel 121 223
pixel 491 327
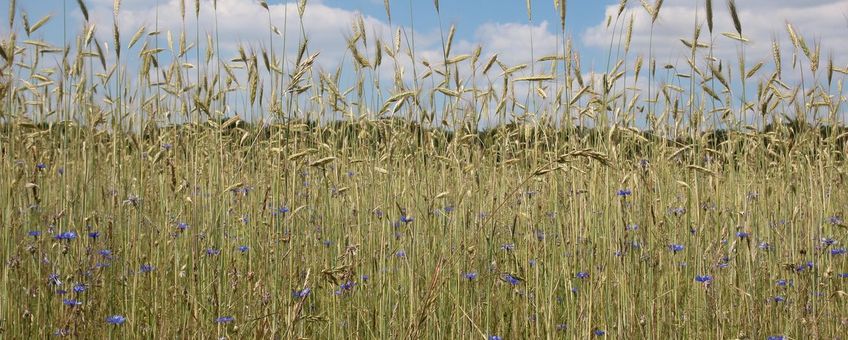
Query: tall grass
pixel 136 203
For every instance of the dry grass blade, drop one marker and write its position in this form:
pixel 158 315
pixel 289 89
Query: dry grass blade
pixel 656 12
pixel 12 11
pixel 629 34
pixel 137 36
pixel 648 8
pixel 734 14
pixel 735 36
pixel 753 70
pixel 116 8
pixel 116 39
pixel 775 52
pixel 38 24
pixel 490 63
pixel 542 77
pixel 563 9
pixel 322 161
pixel 709 8
pixel 301 8
pixel 450 41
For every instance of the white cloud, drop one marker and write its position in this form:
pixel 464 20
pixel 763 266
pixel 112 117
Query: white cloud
pixel 512 41
pixel 816 20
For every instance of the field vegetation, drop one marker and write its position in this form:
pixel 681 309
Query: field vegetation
pixel 162 188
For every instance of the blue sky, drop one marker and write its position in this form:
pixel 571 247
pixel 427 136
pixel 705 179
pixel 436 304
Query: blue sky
pixel 500 26
pixel 469 16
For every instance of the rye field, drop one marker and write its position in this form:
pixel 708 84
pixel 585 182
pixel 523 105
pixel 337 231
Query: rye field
pixel 159 185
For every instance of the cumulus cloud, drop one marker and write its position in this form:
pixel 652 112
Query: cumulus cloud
pixel 240 22
pixel 326 27
pixel 512 41
pixel 821 21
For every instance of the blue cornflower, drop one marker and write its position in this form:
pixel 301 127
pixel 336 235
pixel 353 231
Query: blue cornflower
pixel 116 320
pixel 778 299
pixel 34 233
pixel 837 251
pixel 213 252
pixel 400 253
pixel 54 279
pixel 828 241
pixel 703 278
pixel 676 248
pixel 61 171
pixel 106 253
pixel 532 262
pixel 344 287
pixel 599 332
pixel 495 337
pixel 299 294
pixel 41 166
pixel 449 209
pixel 844 275
pixel 782 283
pixel 94 234
pixel 470 276
pixel 364 278
pixel 801 267
pixel 624 192
pixel 327 243
pixel 631 227
pixel 561 327
pixel 511 279
pixel 582 275
pixel 79 288
pixel 540 235
pixel 764 246
pixel 406 219
pixel 835 219
pixel 167 146
pixel 225 319
pixel 71 302
pixel 68 235
pixel 507 246
pixel 182 226
pixel 775 337
pixel 61 292
pixel 146 268
pixel 348 285
pixel 742 234
pixel 243 249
